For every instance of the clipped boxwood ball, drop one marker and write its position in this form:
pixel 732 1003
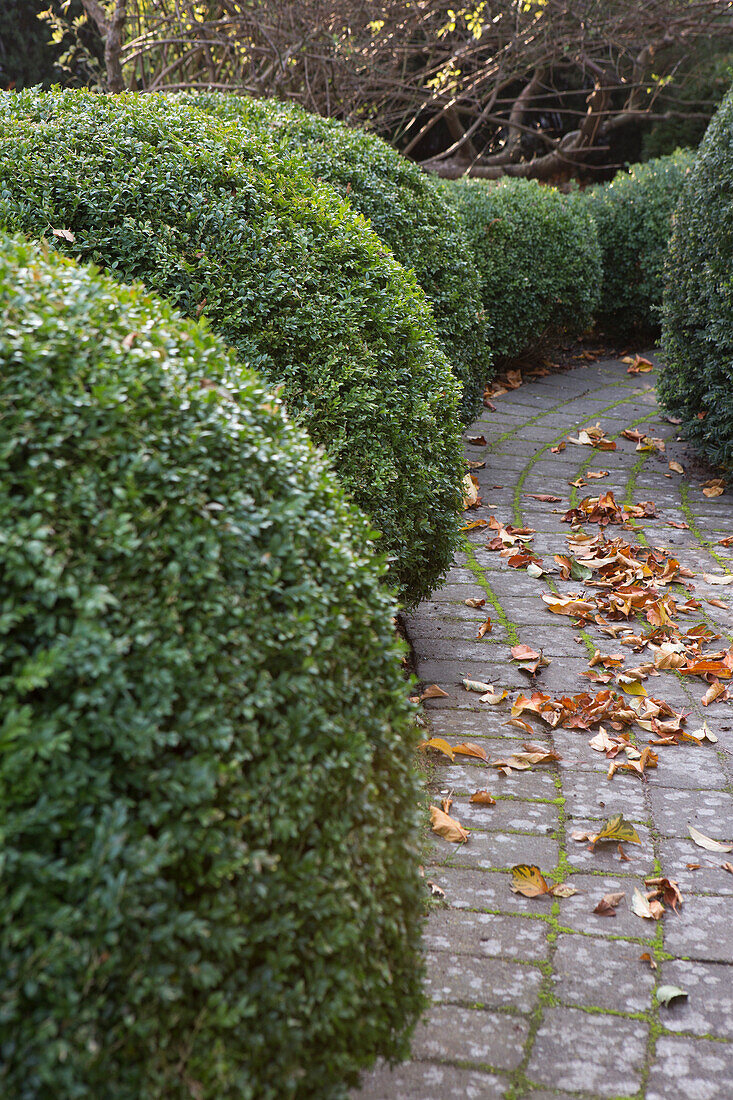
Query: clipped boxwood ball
pixel 224 227
pixel 538 259
pixel 406 208
pixel 633 215
pixel 207 800
pixel 697 322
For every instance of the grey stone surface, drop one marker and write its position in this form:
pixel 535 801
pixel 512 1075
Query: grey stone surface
pixel 708 1009
pixel 601 1055
pixel 603 973
pixel 691 1068
pixel 431 1081
pixel 482 983
pixel 487 935
pixel 491 1039
pixel 542 994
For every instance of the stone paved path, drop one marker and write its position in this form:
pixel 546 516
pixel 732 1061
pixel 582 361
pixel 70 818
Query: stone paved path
pixel 540 997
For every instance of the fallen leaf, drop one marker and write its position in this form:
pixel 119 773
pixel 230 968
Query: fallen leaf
pixel 676 467
pixel 435 890
pixel 618 830
pixel 483 798
pixel 433 692
pixel 529 881
pixel 637 365
pixel 474 524
pixel 640 905
pixel 523 653
pixel 606 907
pixel 493 697
pixel 646 957
pixel 447 827
pixel 468 748
pixel 563 890
pixel 716 578
pixel 714 692
pixel 474 601
pixel 695 866
pixel 477 685
pixel 473 465
pixel 726 867
pixel 438 744
pixel 470 492
pixel 476 440
pixel 707 843
pixel 546 498
pixel 485 628
pixel 667 993
pixel 667 890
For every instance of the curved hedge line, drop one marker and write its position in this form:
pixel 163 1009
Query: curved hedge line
pixel 206 789
pixel 220 224
pixel 538 258
pixel 633 216
pixel 405 207
pixel 697 327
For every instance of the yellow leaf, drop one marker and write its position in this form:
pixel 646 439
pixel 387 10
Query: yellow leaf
pixel 439 745
pixel 618 830
pixel 447 827
pixel 529 881
pixel 467 748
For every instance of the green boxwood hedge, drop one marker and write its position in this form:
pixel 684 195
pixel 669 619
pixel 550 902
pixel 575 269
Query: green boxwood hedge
pixel 406 208
pixel 538 258
pixel 206 788
pixel 633 215
pixel 222 225
pixel 697 328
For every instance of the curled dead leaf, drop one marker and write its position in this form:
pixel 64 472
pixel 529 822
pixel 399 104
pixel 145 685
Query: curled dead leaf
pixel 606 907
pixel 707 842
pixel 433 692
pixel 447 827
pixel 483 798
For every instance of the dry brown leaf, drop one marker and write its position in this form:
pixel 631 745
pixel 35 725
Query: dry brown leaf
pixel 433 692
pixel 485 628
pixel 493 697
pixel 606 907
pixel 714 692
pixel 476 440
pixel 469 748
pixel 483 798
pixel 447 827
pixel 676 468
pixel 475 601
pixel 470 492
pixel 545 498
pixel 717 578
pixel 646 957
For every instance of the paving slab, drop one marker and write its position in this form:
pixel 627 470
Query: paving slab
pixel 541 997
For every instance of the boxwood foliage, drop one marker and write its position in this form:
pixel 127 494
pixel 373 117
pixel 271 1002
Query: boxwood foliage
pixel 208 874
pixel 406 208
pixel 697 323
pixel 633 215
pixel 282 267
pixel 538 259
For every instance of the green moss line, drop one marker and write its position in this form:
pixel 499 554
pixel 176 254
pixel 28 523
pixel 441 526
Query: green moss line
pixel 691 519
pixel 478 572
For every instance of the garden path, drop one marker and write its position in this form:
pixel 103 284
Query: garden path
pixel 541 997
